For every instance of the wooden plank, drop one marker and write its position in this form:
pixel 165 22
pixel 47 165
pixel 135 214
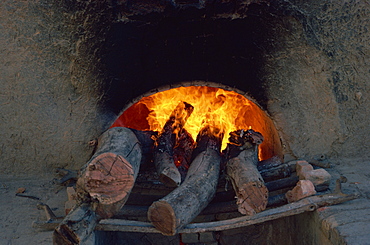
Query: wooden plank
pixel 307 204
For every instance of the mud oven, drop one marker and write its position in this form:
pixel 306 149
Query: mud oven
pixel 191 76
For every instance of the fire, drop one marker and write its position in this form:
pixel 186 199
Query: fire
pixel 221 110
pixel 213 107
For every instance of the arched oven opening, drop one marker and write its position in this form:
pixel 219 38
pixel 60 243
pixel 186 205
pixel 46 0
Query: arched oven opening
pixel 213 105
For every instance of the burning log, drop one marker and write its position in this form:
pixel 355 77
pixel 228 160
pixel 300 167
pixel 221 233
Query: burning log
pixel 183 152
pixel 252 194
pixel 163 152
pixel 182 205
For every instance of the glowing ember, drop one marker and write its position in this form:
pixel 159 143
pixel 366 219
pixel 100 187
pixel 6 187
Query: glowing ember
pixel 223 110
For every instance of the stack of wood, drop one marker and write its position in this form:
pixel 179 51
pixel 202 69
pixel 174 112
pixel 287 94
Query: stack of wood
pixel 103 186
pixel 182 205
pixel 191 168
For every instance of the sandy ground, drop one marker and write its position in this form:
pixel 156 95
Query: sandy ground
pixel 18 213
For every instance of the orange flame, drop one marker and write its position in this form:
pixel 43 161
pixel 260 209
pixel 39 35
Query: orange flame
pixel 213 107
pixel 223 110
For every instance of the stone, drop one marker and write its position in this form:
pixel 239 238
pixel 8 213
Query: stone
pixel 304 188
pixel 318 177
pixel 20 190
pixel 303 166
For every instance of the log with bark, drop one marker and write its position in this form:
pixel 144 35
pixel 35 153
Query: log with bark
pixel 111 173
pixel 165 143
pixel 182 205
pixel 280 171
pixel 146 140
pixel 104 185
pixel 242 154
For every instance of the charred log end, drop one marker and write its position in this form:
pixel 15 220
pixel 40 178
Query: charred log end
pixel 170 177
pixel 63 235
pixel 208 137
pixel 252 198
pixel 109 178
pixel 162 216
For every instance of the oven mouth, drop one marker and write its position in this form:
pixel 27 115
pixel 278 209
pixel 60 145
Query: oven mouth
pixel 236 111
pixel 148 51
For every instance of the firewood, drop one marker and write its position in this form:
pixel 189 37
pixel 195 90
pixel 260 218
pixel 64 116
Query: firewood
pixel 277 172
pixel 146 139
pixel 272 162
pixel 290 181
pixel 77 227
pixel 251 192
pixel 48 212
pixel 164 145
pixel 182 152
pixel 111 172
pixel 307 204
pixel 183 204
pixel 104 185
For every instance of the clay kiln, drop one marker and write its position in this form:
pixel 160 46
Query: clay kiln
pixel 156 47
pixel 64 82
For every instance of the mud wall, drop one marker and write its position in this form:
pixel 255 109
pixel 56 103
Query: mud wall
pixel 50 86
pixel 318 74
pixel 54 80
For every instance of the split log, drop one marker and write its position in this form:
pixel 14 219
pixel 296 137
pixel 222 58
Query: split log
pixel 252 194
pixel 110 174
pixel 163 152
pixel 103 186
pixel 182 205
